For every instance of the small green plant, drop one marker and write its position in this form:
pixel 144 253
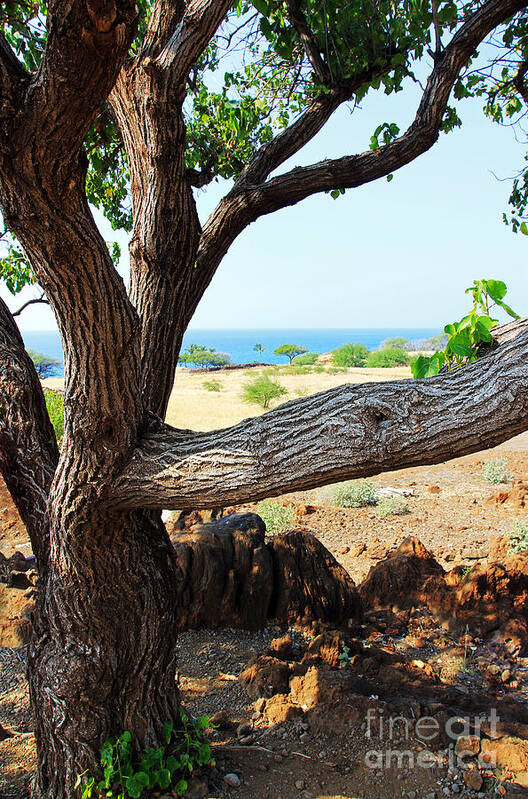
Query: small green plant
pixel 212 385
pixel 496 471
pixel 465 338
pixel 345 658
pixel 262 390
pixel 391 356
pixel 518 537
pixel 354 494
pixel 350 355
pixel 392 506
pixel 127 775
pixel 307 359
pixel 55 406
pixel 275 516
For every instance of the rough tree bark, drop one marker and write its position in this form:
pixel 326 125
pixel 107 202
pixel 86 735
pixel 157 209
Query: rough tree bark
pixel 346 432
pixel 102 657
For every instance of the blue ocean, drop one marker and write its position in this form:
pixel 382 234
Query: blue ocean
pixel 239 344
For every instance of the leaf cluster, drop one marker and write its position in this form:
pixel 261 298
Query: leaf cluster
pixel 466 337
pixel 128 775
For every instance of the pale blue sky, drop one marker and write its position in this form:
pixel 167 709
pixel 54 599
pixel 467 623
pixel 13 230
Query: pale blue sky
pixel 396 254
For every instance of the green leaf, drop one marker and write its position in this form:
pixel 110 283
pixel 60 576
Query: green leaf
pixel 162 777
pixel 137 783
pixel 168 729
pixel 496 289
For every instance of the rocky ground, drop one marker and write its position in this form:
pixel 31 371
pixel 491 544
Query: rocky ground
pixel 402 702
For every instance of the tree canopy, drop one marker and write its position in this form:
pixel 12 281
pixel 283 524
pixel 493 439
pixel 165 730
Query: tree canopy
pixel 284 67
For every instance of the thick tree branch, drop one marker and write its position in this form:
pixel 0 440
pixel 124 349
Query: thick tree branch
pixel 193 34
pixel 165 17
pixel 347 432
pixel 87 43
pixel 271 155
pixel 28 449
pixel 247 202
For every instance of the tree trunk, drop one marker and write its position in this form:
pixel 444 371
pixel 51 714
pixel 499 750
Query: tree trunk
pixel 103 657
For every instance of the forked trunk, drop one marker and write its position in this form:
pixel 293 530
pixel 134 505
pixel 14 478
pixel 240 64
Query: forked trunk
pixel 102 658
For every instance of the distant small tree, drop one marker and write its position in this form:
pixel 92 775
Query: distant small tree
pixel 350 355
pixel 260 349
pixel 290 350
pixel 44 365
pixel 262 390
pixel 201 357
pixel 396 342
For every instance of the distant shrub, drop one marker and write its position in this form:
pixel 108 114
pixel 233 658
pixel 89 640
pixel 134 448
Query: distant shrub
pixel 350 355
pixel 275 516
pixel 44 365
pixel 392 506
pixel 496 471
pixel 395 343
pixel 55 406
pixel 519 536
pixel 318 370
pixel 307 359
pixel 262 390
pixel 336 370
pixel 354 494
pixel 212 385
pixel 201 357
pixel 388 357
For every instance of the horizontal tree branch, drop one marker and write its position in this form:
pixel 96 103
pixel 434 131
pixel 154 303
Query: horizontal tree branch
pixel 348 432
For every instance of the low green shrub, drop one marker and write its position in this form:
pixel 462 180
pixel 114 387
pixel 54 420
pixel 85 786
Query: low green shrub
pixel 212 385
pixel 55 406
pixel 392 356
pixel 392 506
pixel 275 516
pixel 354 494
pixel 350 355
pixel 307 359
pixel 496 471
pixel 130 775
pixel 519 536
pixel 262 391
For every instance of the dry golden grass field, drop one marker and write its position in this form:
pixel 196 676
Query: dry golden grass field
pixel 194 407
